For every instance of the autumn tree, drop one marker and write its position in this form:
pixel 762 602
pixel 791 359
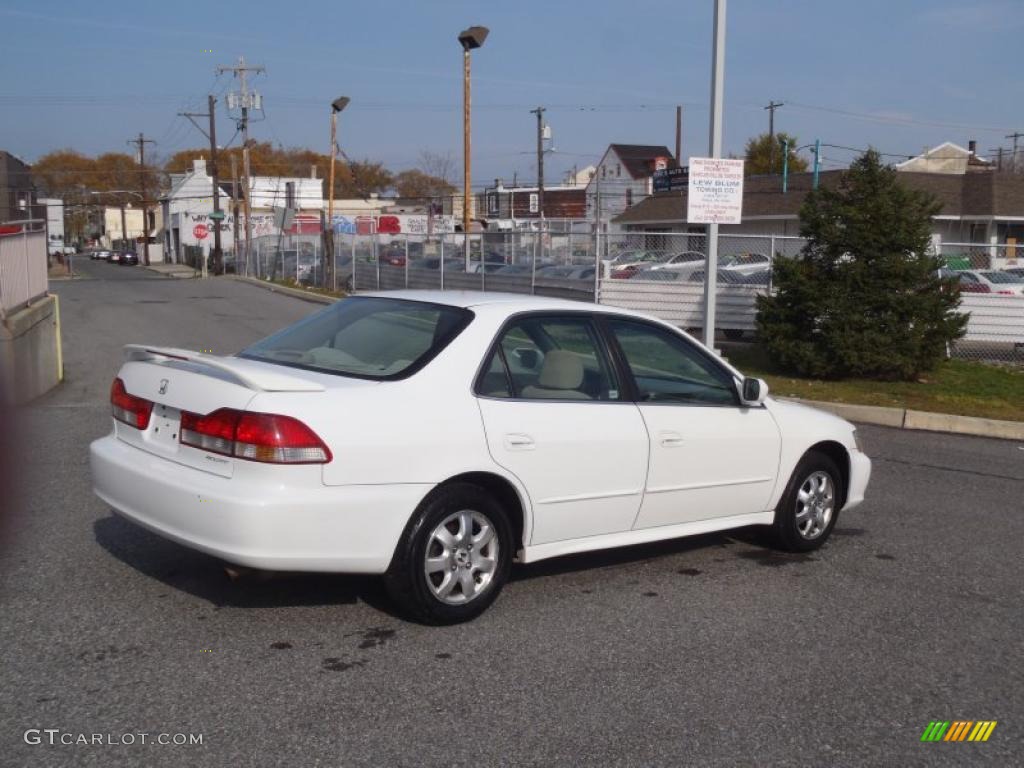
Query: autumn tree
pixel 758 155
pixel 416 183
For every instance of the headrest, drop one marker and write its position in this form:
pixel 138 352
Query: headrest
pixel 562 370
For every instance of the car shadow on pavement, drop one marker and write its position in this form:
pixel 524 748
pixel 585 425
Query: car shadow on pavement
pixel 205 577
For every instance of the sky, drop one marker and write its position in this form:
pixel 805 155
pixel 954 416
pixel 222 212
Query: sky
pixel 896 75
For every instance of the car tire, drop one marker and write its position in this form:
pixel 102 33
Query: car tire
pixel 454 556
pixel 809 507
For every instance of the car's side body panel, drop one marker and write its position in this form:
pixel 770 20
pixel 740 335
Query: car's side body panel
pixel 698 467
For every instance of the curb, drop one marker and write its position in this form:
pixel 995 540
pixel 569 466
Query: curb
pixel 904 418
pixel 297 293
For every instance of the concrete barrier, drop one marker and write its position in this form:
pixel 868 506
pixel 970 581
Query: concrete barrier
pixel 30 352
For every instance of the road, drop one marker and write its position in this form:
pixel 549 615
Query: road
pixel 711 651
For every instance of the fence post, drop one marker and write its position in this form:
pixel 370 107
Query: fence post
pixel 406 261
pixel 355 286
pixel 597 270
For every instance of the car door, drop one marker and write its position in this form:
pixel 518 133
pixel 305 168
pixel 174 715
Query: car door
pixel 555 417
pixel 709 456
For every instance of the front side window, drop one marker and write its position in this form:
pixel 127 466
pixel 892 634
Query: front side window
pixel 365 337
pixel 666 367
pixel 549 358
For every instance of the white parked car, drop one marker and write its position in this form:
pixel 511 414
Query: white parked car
pixel 435 437
pixel 746 263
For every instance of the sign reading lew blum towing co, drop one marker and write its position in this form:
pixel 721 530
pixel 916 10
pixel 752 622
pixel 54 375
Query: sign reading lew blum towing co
pixel 716 191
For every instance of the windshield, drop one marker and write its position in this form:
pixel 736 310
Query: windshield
pixel 372 338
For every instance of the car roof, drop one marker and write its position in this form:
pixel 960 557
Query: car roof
pixel 510 302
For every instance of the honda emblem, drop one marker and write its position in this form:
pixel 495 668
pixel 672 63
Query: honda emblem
pixel 163 387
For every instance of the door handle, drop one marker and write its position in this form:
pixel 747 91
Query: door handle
pixel 519 442
pixel 670 439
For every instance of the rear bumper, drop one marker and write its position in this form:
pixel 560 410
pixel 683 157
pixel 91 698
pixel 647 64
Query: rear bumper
pixel 860 474
pixel 260 523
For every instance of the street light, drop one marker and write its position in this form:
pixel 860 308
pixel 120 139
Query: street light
pixel 469 39
pixel 336 106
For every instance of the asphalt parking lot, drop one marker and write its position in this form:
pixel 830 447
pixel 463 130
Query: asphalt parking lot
pixel 707 651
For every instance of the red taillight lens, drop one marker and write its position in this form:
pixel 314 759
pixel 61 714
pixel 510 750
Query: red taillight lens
pixel 131 410
pixel 214 432
pixel 265 437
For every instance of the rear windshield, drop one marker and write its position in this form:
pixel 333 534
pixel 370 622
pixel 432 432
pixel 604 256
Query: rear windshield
pixel 370 338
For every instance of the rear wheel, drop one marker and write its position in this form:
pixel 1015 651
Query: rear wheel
pixel 809 507
pixel 454 557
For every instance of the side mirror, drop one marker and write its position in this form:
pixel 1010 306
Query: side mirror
pixel 753 391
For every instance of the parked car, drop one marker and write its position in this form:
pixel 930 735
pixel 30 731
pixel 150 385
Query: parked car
pixel 1018 271
pixel 746 263
pixel 626 263
pixel 682 261
pixel 129 258
pixel 434 262
pixel 1004 282
pixel 434 437
pixel 978 281
pixel 100 255
pixel 393 256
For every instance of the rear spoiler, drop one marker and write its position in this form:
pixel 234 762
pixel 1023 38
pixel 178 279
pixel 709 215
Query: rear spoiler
pixel 248 373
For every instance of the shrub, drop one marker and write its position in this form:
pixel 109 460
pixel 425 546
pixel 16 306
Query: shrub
pixel 863 298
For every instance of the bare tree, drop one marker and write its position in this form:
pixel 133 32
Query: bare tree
pixel 439 165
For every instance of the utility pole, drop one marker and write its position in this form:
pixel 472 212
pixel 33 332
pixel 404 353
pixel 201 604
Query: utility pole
pixel 679 136
pixel 234 210
pixel 1015 135
pixel 218 255
pixel 245 100
pixel 539 112
pixel 772 106
pixel 141 142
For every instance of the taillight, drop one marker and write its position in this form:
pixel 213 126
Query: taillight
pixel 214 432
pixel 129 409
pixel 265 437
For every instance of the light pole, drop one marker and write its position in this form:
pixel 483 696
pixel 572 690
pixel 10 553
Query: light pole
pixel 336 106
pixel 715 150
pixel 469 39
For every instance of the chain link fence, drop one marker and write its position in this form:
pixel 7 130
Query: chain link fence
pixel 658 272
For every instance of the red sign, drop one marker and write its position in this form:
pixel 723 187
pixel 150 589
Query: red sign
pixel 200 231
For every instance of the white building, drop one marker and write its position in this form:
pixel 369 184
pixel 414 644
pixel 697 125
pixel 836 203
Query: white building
pixel 54 223
pixel 189 203
pixel 624 178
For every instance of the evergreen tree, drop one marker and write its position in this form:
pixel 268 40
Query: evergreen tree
pixel 864 298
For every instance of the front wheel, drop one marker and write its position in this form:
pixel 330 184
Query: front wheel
pixel 809 507
pixel 454 557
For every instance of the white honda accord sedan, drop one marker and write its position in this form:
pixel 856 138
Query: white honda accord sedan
pixel 435 437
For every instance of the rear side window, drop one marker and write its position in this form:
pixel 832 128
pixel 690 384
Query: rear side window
pixel 549 358
pixel 371 338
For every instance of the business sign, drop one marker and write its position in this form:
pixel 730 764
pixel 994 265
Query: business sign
pixel 671 179
pixel 716 191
